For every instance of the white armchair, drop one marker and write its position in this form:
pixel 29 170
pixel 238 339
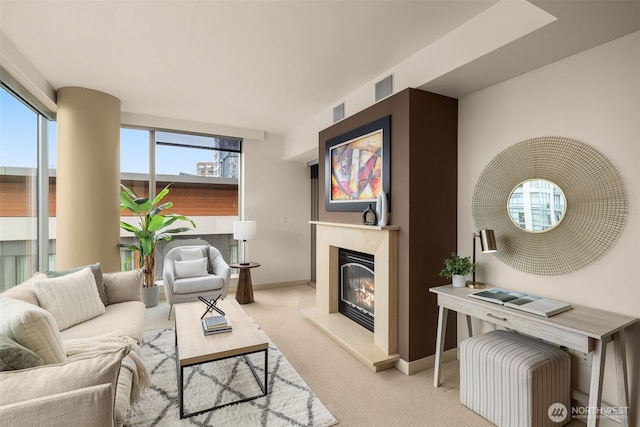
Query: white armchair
pixel 192 271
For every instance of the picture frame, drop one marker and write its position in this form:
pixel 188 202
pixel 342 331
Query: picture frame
pixel 358 167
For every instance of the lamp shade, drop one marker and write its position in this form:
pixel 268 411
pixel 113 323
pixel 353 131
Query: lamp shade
pixel 488 241
pixel 244 230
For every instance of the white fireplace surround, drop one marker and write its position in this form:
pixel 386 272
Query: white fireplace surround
pixel 377 350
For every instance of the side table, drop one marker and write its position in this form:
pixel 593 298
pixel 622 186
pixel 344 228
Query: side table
pixel 244 291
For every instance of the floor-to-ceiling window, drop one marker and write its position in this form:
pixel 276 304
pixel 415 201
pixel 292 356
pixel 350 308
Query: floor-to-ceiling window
pixel 52 165
pixel 203 173
pixel 20 136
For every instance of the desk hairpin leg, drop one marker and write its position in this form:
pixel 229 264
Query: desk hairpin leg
pixel 211 305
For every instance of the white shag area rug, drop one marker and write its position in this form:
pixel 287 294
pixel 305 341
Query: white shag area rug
pixel 290 401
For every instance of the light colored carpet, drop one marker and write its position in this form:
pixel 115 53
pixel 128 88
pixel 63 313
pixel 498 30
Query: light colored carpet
pixel 290 402
pixel 354 394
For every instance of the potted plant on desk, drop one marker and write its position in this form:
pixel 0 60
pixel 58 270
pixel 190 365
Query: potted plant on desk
pixel 456 268
pixel 150 230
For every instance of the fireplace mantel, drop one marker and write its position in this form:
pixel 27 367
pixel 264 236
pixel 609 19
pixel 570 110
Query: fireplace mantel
pixel 363 227
pixel 378 349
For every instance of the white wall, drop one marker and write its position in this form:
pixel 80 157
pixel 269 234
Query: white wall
pixel 593 97
pixel 277 196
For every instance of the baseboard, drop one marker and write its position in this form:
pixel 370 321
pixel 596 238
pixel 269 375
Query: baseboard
pixel 272 285
pixel 410 368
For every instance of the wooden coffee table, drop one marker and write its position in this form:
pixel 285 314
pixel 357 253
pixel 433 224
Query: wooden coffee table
pixel 195 348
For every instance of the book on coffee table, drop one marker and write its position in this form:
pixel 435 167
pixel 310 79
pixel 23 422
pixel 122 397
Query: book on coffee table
pixel 215 325
pixel 214 322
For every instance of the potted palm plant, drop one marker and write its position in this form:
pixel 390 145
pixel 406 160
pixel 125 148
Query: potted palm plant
pixel 456 268
pixel 151 229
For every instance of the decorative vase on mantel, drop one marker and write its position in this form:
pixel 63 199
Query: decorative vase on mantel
pixel 458 281
pixel 382 210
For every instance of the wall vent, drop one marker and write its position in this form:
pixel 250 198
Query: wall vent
pixel 384 87
pixel 338 113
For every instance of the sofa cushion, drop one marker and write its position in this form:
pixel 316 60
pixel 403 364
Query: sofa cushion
pixel 13 356
pixel 127 316
pixel 51 379
pixel 96 269
pixel 191 268
pixel 197 284
pixel 24 291
pixel 32 327
pixel 71 299
pixel 123 286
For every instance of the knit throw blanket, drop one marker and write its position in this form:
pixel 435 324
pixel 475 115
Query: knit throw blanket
pixel 84 348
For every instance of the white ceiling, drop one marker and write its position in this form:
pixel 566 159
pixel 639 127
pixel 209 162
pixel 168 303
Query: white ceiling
pixel 271 65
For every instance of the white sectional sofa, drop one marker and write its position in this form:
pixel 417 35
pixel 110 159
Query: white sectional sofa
pixel 57 367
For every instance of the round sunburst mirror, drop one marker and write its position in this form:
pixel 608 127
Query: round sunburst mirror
pixel 556 205
pixel 537 205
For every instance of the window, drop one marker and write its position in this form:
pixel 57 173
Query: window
pixel 18 190
pixel 184 155
pixel 52 164
pixel 203 172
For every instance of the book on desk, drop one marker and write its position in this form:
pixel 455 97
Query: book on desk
pixel 522 301
pixel 215 325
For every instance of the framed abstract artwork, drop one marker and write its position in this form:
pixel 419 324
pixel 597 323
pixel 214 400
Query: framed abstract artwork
pixel 358 167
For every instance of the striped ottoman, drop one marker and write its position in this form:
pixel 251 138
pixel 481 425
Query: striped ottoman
pixel 512 380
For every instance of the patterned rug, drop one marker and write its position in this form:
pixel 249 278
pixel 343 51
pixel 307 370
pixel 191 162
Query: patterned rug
pixel 290 401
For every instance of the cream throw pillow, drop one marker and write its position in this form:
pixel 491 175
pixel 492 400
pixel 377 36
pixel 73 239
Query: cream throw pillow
pixel 32 327
pixel 24 291
pixel 96 269
pixel 71 299
pixel 193 268
pixel 123 286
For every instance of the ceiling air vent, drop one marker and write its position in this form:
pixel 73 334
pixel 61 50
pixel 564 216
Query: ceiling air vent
pixel 384 88
pixel 338 113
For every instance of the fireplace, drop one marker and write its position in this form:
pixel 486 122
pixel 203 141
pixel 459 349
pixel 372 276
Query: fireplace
pixel 356 287
pixel 377 348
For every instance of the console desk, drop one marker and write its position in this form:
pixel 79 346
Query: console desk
pixel 582 328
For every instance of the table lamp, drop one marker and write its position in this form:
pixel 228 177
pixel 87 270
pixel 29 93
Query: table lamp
pixel 487 245
pixel 244 230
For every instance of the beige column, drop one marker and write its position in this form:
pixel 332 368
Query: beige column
pixel 88 179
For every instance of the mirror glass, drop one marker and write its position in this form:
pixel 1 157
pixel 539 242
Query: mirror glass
pixel 537 205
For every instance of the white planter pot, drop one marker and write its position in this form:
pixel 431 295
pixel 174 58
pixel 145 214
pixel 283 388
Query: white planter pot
pixel 458 281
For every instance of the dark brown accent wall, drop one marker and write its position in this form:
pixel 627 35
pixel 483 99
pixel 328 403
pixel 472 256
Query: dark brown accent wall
pixel 424 129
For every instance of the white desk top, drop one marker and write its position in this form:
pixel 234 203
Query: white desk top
pixel 587 321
